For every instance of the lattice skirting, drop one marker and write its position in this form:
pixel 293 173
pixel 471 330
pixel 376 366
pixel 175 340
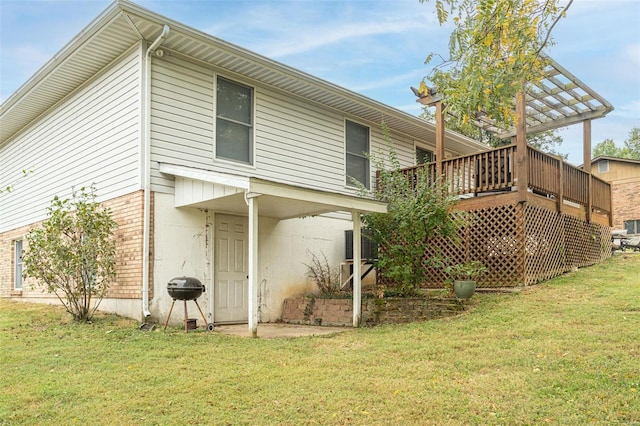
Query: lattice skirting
pixel 520 244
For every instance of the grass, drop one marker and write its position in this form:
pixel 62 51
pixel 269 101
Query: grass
pixel 563 352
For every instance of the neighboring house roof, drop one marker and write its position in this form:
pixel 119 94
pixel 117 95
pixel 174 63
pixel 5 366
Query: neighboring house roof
pixel 621 160
pixel 124 23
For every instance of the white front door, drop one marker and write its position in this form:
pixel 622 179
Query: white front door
pixel 231 269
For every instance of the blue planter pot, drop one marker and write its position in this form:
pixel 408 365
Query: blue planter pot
pixel 464 289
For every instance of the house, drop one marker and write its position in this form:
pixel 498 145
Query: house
pixel 624 176
pixel 218 163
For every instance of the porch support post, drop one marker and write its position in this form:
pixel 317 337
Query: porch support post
pixel 522 161
pixel 252 200
pixel 586 164
pixel 439 138
pixel 357 273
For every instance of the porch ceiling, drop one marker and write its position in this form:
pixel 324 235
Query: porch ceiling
pixel 227 194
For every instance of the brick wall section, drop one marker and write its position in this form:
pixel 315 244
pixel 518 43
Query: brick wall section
pixel 307 310
pixel 626 205
pixel 7 257
pixel 128 213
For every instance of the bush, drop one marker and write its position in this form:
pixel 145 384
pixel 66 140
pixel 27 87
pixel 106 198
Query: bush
pixel 418 211
pixel 325 277
pixel 73 253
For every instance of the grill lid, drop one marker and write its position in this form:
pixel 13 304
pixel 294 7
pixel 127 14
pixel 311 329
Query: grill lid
pixel 185 288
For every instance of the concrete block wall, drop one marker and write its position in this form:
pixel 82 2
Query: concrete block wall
pixel 308 310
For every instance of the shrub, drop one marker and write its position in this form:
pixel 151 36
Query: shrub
pixel 73 253
pixel 418 211
pixel 325 277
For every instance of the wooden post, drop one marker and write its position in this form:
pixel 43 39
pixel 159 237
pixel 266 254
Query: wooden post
pixel 586 164
pixel 560 178
pixel 439 137
pixel 522 160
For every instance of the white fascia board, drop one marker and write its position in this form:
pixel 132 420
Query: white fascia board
pixel 235 181
pixel 339 201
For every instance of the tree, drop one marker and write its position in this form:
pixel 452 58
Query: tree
pixel 418 211
pixel 547 142
pixel 632 144
pixel 494 49
pixel 631 149
pixel 73 253
pixel 606 148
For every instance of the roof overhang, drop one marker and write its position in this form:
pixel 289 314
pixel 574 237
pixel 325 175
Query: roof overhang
pixel 617 159
pixel 560 99
pixel 123 24
pixel 227 193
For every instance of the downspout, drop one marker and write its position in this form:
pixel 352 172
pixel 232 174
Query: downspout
pixel 146 173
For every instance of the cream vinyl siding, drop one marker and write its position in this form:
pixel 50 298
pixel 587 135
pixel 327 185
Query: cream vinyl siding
pixel 182 117
pixel 295 141
pixel 91 137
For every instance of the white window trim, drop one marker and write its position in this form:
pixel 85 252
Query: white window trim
pixel 17 260
pixel 603 166
pixel 251 165
pixel 344 156
pixel 423 147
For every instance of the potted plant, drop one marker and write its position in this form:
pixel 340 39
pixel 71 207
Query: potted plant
pixel 462 277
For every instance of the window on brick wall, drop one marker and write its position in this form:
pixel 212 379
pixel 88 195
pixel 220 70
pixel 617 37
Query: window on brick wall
pixel 17 265
pixel 632 226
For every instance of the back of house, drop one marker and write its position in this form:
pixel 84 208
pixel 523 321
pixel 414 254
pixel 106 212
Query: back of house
pixel 218 164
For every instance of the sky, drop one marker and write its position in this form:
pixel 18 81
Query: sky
pixel 375 48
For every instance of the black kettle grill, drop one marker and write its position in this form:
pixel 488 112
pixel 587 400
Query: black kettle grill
pixel 186 288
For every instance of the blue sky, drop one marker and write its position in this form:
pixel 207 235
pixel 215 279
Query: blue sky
pixel 376 48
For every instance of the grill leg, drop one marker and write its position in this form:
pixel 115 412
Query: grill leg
pixel 186 320
pixel 169 316
pixel 201 313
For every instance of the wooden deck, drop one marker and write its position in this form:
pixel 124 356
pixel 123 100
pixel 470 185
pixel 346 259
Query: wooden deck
pixel 490 178
pixel 530 217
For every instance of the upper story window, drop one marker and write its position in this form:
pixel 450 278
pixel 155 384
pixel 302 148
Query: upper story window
pixel 234 121
pixel 17 265
pixel 603 166
pixel 357 149
pixel 424 156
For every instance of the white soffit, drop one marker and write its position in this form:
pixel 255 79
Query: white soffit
pixel 276 200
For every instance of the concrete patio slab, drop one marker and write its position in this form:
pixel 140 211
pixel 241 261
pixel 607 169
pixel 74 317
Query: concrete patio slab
pixel 279 331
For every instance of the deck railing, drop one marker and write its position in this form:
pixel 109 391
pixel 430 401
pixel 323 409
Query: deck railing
pixel 601 194
pixel 496 170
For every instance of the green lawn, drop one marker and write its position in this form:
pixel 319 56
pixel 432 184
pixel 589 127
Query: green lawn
pixel 563 352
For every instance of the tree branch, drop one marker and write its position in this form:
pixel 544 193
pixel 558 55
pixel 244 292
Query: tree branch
pixel 560 15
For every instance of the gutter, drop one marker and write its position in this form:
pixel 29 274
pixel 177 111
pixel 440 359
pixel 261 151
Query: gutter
pixel 146 173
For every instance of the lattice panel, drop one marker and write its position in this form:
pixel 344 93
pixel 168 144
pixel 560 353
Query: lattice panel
pixel 545 254
pixel 496 238
pixel 585 243
pixel 519 245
